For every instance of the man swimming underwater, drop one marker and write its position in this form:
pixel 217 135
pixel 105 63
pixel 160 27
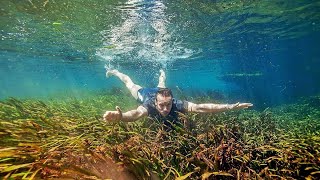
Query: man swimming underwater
pixel 158 103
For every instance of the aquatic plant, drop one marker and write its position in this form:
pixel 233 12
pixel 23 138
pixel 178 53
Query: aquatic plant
pixel 67 139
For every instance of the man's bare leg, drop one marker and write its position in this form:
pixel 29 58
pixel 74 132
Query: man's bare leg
pixel 133 88
pixel 162 79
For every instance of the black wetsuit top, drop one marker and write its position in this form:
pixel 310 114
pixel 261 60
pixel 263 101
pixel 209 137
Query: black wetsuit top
pixel 148 101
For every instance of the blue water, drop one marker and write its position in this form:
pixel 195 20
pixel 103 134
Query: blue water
pixel 264 52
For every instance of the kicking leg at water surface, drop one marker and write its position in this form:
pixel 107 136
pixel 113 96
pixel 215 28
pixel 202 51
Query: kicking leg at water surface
pixel 133 88
pixel 162 79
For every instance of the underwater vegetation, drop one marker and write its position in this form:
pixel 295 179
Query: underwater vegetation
pixel 67 139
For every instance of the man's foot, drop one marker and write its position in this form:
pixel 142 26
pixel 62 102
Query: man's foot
pixel 162 79
pixel 111 72
pixel 162 74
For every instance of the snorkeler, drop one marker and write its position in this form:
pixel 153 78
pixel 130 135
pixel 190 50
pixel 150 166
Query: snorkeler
pixel 158 103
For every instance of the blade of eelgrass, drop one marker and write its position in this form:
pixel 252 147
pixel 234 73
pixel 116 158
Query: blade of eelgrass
pixel 16 175
pixel 208 174
pixel 34 174
pixel 14 167
pixel 184 176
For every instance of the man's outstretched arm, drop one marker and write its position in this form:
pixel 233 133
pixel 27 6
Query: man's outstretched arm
pixel 214 108
pixel 115 116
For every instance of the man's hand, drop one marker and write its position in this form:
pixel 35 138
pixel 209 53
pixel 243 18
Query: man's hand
pixel 113 116
pixel 240 106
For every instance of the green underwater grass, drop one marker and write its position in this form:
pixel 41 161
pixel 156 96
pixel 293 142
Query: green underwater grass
pixel 68 139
